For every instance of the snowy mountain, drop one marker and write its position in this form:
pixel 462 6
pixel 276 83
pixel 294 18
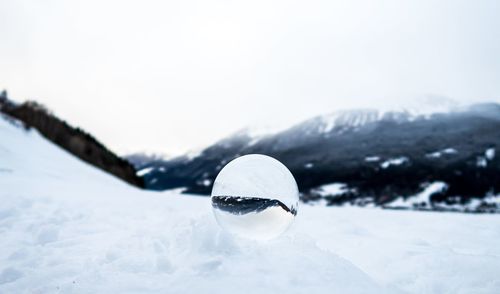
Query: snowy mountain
pixel 381 157
pixel 68 227
pixel 73 139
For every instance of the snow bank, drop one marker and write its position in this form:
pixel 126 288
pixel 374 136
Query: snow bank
pixel 151 244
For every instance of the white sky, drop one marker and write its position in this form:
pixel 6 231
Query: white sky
pixel 170 76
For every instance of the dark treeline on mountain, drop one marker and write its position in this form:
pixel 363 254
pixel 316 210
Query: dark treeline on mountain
pixel 73 139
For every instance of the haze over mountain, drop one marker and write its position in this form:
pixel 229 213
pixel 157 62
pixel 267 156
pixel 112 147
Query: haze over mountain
pixel 200 70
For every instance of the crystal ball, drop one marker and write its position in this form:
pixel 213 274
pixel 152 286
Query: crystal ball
pixel 255 197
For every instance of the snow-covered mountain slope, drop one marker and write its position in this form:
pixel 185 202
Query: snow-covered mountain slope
pixel 72 139
pixel 379 156
pixel 67 227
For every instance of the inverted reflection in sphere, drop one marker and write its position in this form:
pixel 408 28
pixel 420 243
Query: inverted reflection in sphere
pixel 255 197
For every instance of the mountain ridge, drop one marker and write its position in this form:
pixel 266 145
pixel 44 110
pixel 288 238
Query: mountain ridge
pixel 380 158
pixel 73 139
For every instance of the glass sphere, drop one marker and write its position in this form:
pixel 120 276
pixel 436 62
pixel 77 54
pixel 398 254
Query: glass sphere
pixel 255 197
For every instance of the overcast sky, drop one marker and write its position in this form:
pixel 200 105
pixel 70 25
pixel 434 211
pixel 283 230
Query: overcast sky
pixel 170 76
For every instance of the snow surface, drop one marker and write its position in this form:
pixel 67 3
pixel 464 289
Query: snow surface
pixel 421 199
pixel 351 118
pixel 438 154
pixel 490 153
pixel 450 151
pixel 394 161
pixel 145 171
pixel 67 227
pixel 481 162
pixel 372 158
pixel 333 189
